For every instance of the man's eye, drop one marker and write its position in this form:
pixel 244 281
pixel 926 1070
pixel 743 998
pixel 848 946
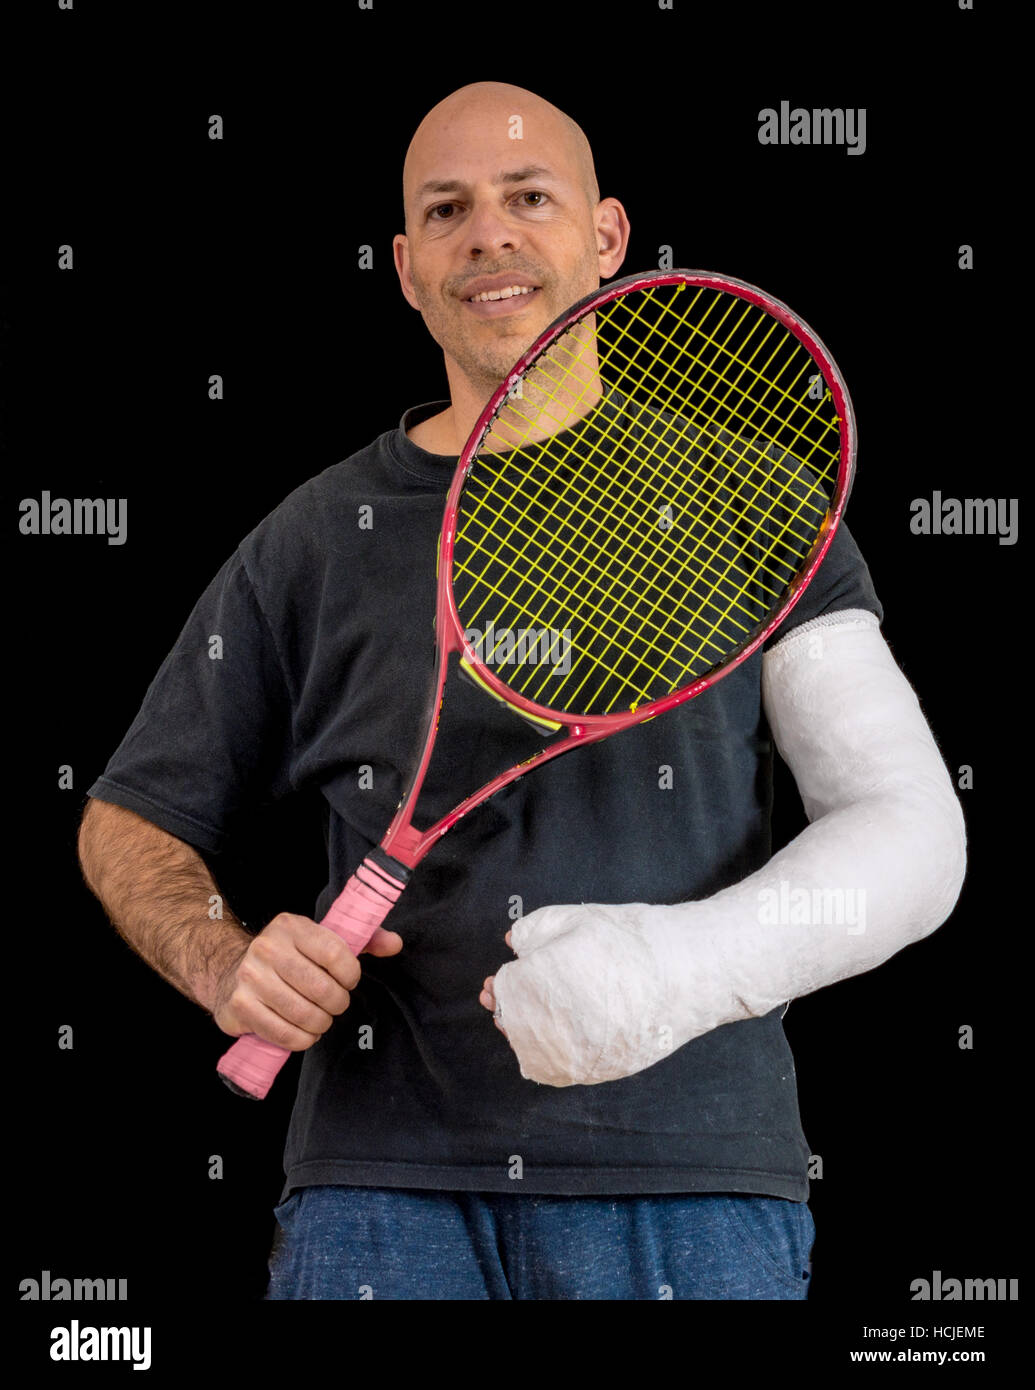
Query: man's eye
pixel 534 197
pixel 442 212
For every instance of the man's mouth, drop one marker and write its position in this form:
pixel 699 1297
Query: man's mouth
pixel 493 297
pixel 507 292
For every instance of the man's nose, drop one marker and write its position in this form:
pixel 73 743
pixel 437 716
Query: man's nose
pixel 490 231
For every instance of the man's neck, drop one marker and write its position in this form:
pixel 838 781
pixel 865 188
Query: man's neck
pixel 437 434
pixel 448 432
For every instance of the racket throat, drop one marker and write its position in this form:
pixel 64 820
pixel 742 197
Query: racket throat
pixel 402 848
pixel 396 867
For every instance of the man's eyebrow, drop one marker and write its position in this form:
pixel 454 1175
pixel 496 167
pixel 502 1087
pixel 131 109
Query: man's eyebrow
pixel 531 171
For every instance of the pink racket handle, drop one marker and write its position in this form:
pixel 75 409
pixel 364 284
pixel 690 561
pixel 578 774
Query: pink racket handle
pixel 251 1065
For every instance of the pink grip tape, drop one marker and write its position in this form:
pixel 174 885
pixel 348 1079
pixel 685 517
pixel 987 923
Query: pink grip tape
pixel 251 1065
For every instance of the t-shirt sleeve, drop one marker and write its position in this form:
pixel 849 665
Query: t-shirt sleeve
pixel 842 581
pixel 212 737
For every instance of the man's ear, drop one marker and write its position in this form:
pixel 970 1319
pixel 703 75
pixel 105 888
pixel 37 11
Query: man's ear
pixel 612 230
pixel 401 252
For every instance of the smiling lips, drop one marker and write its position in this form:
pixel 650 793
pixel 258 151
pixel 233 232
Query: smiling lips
pixel 507 292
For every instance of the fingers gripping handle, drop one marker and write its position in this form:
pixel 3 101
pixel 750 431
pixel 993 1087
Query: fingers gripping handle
pixel 251 1065
pixel 363 904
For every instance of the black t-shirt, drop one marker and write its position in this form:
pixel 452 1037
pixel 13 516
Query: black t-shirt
pixel 320 682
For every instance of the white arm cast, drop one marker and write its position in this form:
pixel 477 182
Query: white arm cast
pixel 600 992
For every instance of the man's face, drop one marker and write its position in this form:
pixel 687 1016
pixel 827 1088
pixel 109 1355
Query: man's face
pixel 501 236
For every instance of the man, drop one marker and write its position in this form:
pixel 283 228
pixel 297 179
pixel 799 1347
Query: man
pixel 431 1156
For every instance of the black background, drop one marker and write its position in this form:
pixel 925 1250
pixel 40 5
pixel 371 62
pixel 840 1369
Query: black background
pixel 239 257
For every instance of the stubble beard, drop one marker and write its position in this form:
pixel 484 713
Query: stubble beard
pixel 484 364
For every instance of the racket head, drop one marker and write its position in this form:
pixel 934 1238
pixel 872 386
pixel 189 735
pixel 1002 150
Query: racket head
pixel 783 473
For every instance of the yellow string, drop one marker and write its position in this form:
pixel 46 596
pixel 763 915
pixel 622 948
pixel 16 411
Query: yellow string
pixel 668 389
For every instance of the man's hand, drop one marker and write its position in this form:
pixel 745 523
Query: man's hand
pixel 291 982
pixel 286 984
pixel 588 998
pixel 487 998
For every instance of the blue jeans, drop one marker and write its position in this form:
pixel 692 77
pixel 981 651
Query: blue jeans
pixel 366 1242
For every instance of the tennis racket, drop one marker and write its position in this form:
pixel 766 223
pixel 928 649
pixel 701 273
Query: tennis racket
pixel 647 493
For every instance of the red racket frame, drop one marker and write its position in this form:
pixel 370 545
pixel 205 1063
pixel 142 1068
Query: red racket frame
pixel 250 1066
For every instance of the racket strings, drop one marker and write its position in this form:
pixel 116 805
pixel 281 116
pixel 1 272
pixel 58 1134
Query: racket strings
pixel 566 535
pixel 727 439
pixel 655 629
pixel 500 528
pixel 729 516
pixel 770 380
pixel 721 426
pixel 636 610
pixel 663 640
pixel 820 510
pixel 608 514
pixel 723 437
pixel 540 615
pixel 659 524
pixel 765 380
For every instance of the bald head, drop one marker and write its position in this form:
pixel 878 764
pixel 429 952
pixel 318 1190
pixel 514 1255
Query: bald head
pixel 505 229
pixel 470 114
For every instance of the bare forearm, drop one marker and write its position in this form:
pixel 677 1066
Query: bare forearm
pixel 157 890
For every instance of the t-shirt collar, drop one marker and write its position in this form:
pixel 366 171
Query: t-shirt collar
pixel 430 468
